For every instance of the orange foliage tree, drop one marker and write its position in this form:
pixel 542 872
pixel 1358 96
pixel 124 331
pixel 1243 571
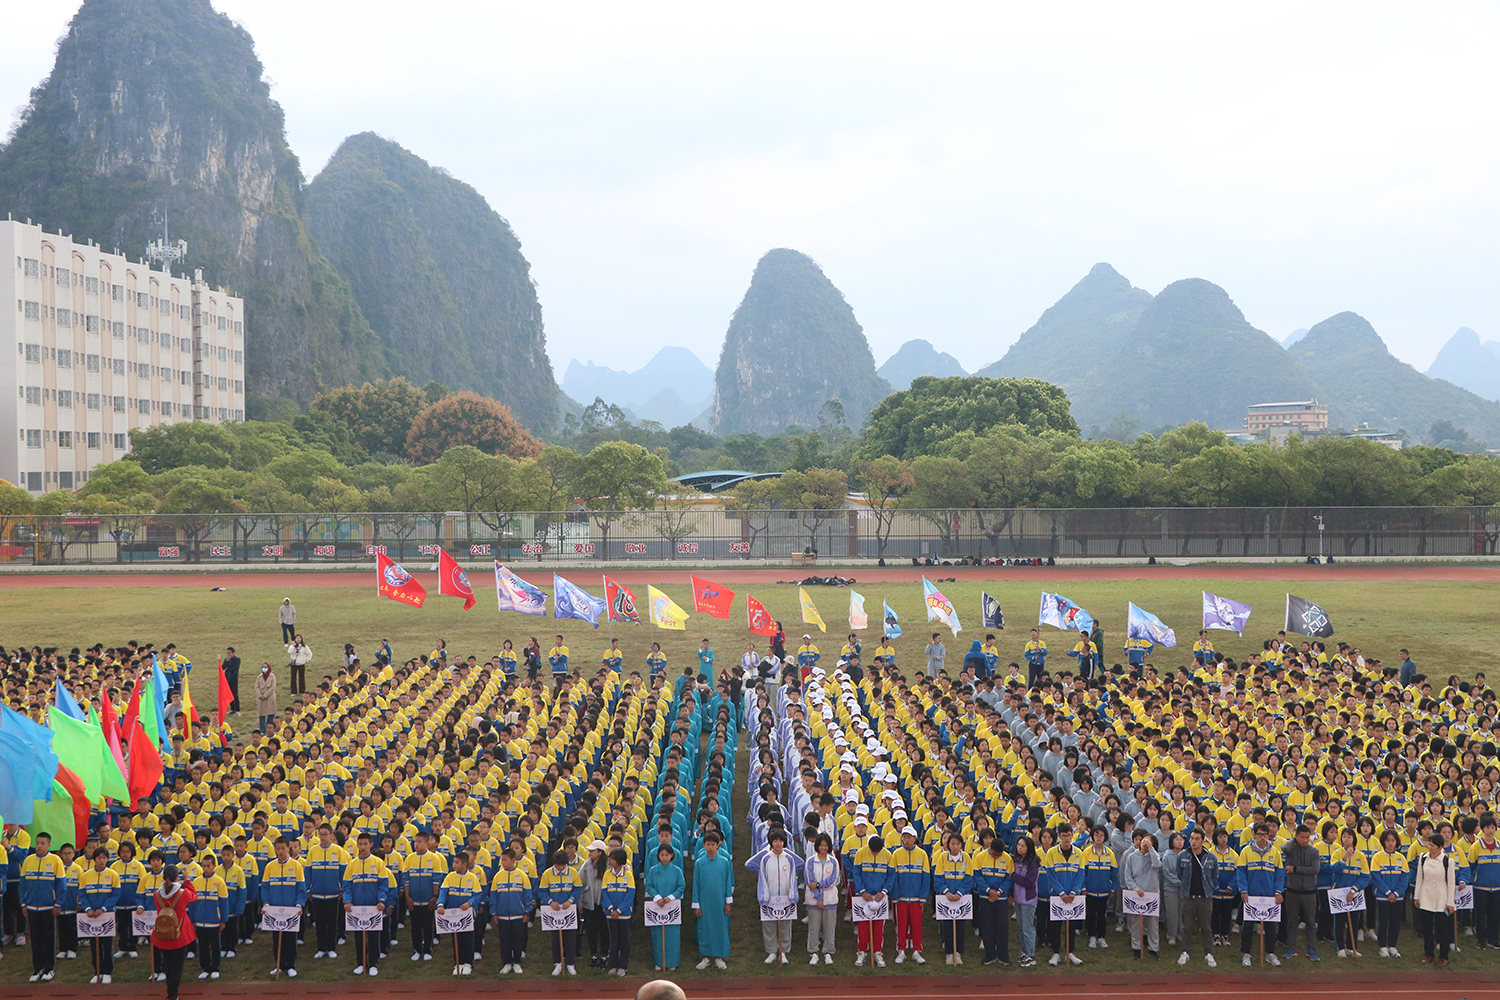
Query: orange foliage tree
pixel 472 419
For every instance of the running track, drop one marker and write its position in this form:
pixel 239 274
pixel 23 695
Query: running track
pixel 1343 985
pixel 730 574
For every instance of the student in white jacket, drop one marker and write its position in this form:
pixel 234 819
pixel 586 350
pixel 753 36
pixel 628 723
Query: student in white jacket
pixel 823 875
pixel 1436 881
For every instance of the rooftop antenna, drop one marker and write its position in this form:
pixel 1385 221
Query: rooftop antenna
pixel 162 251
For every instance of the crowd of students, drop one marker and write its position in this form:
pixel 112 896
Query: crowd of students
pixel 440 801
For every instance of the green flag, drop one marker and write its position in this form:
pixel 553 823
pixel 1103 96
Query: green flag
pixel 80 748
pixel 149 711
pixel 112 780
pixel 55 817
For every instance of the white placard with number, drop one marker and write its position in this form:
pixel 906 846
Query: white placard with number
pixel 142 922
pixel 102 926
pixel 1350 900
pixel 668 914
pixel 946 909
pixel 1463 897
pixel 1146 904
pixel 362 919
pixel 1069 911
pixel 1262 909
pixel 455 921
pixel 780 908
pixel 565 919
pixel 281 918
pixel 867 910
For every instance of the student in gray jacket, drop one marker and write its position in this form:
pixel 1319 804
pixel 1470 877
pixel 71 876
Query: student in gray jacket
pixel 1197 877
pixel 1140 872
pixel 1171 890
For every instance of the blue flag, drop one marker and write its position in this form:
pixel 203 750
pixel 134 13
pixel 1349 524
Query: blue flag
pixel 892 624
pixel 1059 612
pixel 1221 612
pixel 67 704
pixel 1144 625
pixel 33 744
pixel 989 607
pixel 514 594
pixel 159 689
pixel 571 601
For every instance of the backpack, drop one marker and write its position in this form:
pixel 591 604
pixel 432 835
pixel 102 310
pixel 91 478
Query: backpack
pixel 168 925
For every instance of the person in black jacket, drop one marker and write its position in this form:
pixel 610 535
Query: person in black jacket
pixel 232 676
pixel 1300 900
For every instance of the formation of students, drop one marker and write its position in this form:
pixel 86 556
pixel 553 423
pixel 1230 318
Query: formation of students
pixel 450 799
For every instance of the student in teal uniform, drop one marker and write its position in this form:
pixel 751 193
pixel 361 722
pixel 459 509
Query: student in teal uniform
pixel 664 882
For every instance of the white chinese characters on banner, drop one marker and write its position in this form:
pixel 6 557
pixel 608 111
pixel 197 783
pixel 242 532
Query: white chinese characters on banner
pixel 668 914
pixel 455 921
pixel 1142 904
pixel 959 909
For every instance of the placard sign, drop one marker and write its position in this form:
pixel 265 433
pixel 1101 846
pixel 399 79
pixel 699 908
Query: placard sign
pixel 780 908
pixel 1069 911
pixel 1262 909
pixel 143 923
pixel 1348 900
pixel 281 918
pixel 669 914
pixel 564 919
pixel 102 926
pixel 1142 904
pixel 873 909
pixel 961 909
pixel 362 919
pixel 455 921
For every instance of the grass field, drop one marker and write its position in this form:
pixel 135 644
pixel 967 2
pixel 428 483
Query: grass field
pixel 1446 625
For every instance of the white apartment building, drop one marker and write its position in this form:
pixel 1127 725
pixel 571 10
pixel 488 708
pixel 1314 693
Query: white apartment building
pixel 97 345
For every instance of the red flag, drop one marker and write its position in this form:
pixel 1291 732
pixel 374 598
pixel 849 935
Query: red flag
pixel 392 581
pixel 132 712
pixel 145 765
pixel 111 726
pixel 452 581
pixel 76 792
pixel 226 697
pixel 759 618
pixel 621 603
pixel 712 598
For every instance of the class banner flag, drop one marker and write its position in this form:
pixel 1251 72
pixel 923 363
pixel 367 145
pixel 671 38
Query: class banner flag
pixel 621 602
pixel 146 767
pixel 393 581
pixel 810 614
pixel 757 618
pixel 1306 618
pixel 857 617
pixel 452 580
pixel 1059 612
pixel 939 608
pixel 1221 612
pixel 712 598
pixel 189 713
pixel 989 608
pixel 664 611
pixel 514 594
pixel 891 625
pixel 571 601
pixel 225 699
pixel 66 703
pixel 1144 625
pixel 80 748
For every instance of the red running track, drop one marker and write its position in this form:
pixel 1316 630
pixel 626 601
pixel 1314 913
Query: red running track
pixel 731 574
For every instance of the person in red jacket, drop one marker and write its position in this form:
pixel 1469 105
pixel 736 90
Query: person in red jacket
pixel 173 895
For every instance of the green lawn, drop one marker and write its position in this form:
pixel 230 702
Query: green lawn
pixel 1442 623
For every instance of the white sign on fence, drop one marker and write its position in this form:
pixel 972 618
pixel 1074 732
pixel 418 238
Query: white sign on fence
pixel 362 919
pixel 102 926
pixel 780 908
pixel 455 921
pixel 961 909
pixel 1262 909
pixel 1350 900
pixel 1069 911
pixel 1142 904
pixel 281 918
pixel 142 922
pixel 565 919
pixel 867 910
pixel 668 914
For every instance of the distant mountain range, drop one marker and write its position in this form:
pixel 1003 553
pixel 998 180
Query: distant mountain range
pixel 673 388
pixel 916 358
pixel 1467 363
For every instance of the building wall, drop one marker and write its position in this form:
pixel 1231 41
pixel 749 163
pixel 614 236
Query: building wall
pixel 95 346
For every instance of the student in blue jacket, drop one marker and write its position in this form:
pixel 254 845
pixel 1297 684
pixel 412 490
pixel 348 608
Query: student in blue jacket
pixel 98 894
pixel 510 903
pixel 953 878
pixel 1351 870
pixel 617 897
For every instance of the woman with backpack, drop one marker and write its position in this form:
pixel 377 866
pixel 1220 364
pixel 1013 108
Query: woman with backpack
pixel 173 933
pixel 1436 881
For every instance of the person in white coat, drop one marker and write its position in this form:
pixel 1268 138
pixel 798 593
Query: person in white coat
pixel 776 870
pixel 823 874
pixel 1436 882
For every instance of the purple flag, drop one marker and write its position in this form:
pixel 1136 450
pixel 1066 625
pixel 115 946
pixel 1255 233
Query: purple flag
pixel 1221 612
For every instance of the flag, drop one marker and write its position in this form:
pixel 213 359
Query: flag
pixel 664 611
pixel 572 601
pixel 66 815
pixel 150 714
pixel 621 603
pixel 112 776
pixel 189 713
pixel 989 610
pixel 108 719
pixel 1059 612
pixel 145 765
pixel 66 704
pixel 857 617
pixel 892 624
pixel 1221 612
pixel 810 614
pixel 393 581
pixel 1145 625
pixel 1306 618
pixel 939 608
pixel 711 598
pixel 30 764
pixel 758 618
pixel 114 762
pixel 80 748
pixel 160 689
pixel 226 697
pixel 132 713
pixel 452 580
pixel 514 594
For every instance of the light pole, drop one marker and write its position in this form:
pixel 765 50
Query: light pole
pixel 1319 519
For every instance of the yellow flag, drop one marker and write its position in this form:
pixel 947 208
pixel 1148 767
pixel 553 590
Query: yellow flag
pixel 810 614
pixel 189 713
pixel 664 612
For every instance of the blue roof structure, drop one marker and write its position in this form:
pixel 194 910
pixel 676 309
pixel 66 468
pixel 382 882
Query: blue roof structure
pixel 719 480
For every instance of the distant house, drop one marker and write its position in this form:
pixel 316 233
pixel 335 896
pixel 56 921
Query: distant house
pixel 1302 415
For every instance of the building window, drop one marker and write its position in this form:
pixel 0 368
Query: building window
pixel 34 482
pixel 119 404
pixel 117 292
pixel 64 317
pixel 239 386
pixel 142 300
pixel 119 329
pixel 34 310
pixel 119 442
pixel 142 406
pixel 64 277
pixel 64 358
pixel 64 399
pixel 34 353
pixel 117 365
pixel 65 439
pixel 33 268
pixel 65 480
pixel 93 400
pixel 34 395
pixel 93 440
pixel 33 439
pixel 91 286
pixel 93 362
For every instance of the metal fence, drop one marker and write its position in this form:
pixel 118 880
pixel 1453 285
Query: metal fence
pixel 700 533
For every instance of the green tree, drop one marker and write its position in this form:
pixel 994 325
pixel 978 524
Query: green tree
pixel 919 420
pixel 16 506
pixel 121 497
pixel 617 477
pixel 818 495
pixel 944 489
pixel 198 506
pixel 468 418
pixel 379 414
pixel 755 503
pixel 886 482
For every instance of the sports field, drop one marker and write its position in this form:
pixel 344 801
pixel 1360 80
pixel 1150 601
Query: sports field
pixel 1447 623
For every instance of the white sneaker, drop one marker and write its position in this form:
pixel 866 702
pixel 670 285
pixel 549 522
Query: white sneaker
pixel 359 970
pixel 319 954
pixel 291 973
pixel 468 970
pixel 880 959
pixel 958 958
pixel 719 963
pixel 916 956
pixel 1054 960
pixel 702 965
pixel 426 957
pixel 1210 960
pixel 1182 959
pixel 900 956
pixel 827 960
pixel 1245 959
pixel 106 980
pixel 504 970
pixel 94 981
pixel 135 954
pixel 859 960
pixel 1103 943
pixel 333 954
pixel 1074 959
pixel 1395 953
pixel 1341 953
pixel 35 977
pixel 785 960
pixel 416 956
pixel 202 975
pixel 1271 957
pixel 771 959
pixel 454 972
pixel 517 967
pixel 47 977
pixel 813 960
pixel 1360 935
pixel 557 970
pixel 374 971
pixel 1385 953
pixel 1093 942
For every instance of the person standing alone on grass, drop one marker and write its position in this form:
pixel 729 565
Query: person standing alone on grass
pixel 232 677
pixel 265 697
pixel 936 653
pixel 298 656
pixel 287 615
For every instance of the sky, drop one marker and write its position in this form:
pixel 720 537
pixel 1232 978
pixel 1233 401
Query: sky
pixel 953 167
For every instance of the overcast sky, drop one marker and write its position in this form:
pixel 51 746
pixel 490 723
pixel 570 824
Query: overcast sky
pixel 954 168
